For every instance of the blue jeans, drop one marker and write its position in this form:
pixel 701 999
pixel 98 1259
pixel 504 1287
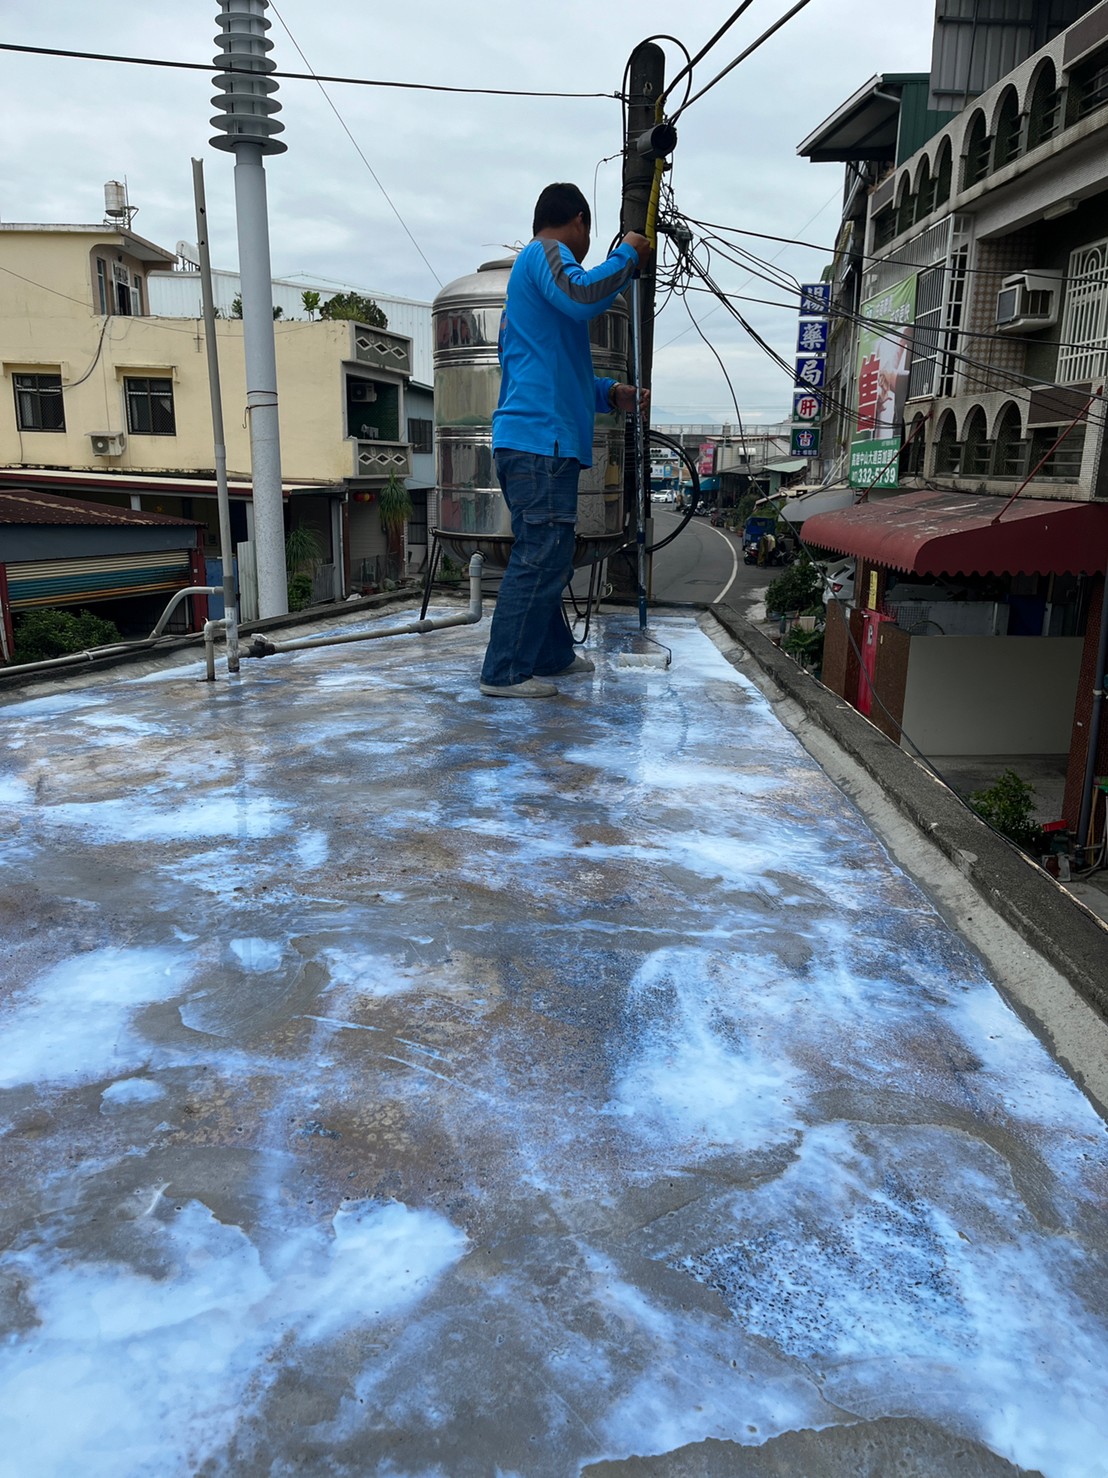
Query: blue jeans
pixel 530 636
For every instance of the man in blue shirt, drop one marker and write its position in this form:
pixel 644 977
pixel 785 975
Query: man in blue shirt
pixel 542 434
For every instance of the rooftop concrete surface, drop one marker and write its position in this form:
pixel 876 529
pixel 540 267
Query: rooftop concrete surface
pixel 400 1081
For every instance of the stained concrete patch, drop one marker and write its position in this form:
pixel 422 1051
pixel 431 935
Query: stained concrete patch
pixel 888 1448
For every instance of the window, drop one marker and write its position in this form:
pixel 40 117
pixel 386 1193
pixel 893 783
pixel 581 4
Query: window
pixel 927 339
pixel 1009 131
pixel 138 295
pixel 884 227
pixel 102 286
pixel 1045 112
pixel 38 402
pixel 977 449
pixel 948 450
pixel 1088 89
pixel 1084 335
pixel 150 407
pixel 420 433
pixel 975 161
pixel 1010 457
pixel 943 173
pixel 121 280
pixel 1065 460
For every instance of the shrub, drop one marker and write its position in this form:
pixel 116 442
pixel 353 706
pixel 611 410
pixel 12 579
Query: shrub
pixel 805 647
pixel 40 635
pixel 1008 806
pixel 798 588
pixel 300 592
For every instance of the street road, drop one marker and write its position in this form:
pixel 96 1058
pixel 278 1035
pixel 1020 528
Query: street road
pixel 701 563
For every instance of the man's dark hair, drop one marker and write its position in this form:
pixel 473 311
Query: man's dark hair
pixel 557 206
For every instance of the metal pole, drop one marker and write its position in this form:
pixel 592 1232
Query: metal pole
pixel 226 547
pixel 1099 678
pixel 646 83
pixel 261 379
pixel 247 125
pixel 640 447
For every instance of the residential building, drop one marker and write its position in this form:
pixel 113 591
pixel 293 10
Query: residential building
pixel 965 393
pixel 112 404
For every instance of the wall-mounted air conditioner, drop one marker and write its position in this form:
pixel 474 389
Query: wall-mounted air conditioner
pixel 107 443
pixel 1028 301
pixel 362 390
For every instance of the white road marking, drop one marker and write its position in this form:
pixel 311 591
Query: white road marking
pixel 734 564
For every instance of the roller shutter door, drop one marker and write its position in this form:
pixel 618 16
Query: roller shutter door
pixel 67 582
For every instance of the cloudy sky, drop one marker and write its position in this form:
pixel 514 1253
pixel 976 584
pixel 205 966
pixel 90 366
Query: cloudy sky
pixel 462 172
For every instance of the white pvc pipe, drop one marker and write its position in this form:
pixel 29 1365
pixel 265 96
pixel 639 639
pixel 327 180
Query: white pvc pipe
pixel 262 647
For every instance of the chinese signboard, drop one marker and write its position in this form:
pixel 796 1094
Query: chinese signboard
pixel 806 407
pixel 706 462
pixel 815 298
pixel 804 441
pixel 811 372
pixel 884 361
pixel 812 336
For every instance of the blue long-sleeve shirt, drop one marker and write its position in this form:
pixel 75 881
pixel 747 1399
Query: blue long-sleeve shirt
pixel 548 392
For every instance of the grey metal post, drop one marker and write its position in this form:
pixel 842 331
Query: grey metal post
pixel 247 126
pixel 226 547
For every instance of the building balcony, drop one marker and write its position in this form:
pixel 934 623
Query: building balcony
pixel 379 458
pixel 382 349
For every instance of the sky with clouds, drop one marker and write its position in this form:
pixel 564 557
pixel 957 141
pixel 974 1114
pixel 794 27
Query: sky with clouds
pixel 462 172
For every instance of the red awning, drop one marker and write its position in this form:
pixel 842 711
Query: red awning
pixel 943 533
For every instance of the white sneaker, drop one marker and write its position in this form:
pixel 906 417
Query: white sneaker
pixel 579 664
pixel 530 687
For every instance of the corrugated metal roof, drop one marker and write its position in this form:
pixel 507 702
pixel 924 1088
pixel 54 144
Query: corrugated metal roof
pixel 791 464
pixel 945 533
pixel 28 505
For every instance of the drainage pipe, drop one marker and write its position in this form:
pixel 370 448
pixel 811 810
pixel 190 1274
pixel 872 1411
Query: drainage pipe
pixel 262 647
pixel 178 597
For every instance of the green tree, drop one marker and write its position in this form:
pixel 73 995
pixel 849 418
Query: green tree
pixel 356 306
pixel 311 302
pixel 40 635
pixel 236 308
pixel 798 588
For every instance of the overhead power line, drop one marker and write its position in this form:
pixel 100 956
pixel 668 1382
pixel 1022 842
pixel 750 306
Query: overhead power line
pixel 151 61
pixel 742 56
pixel 357 146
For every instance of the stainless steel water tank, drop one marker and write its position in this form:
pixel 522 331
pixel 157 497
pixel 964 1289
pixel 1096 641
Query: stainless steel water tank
pixel 468 512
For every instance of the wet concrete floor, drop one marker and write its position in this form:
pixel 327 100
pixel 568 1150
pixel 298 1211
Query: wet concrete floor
pixel 397 1081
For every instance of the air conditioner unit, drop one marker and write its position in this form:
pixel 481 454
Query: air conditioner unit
pixel 362 390
pixel 107 443
pixel 1028 301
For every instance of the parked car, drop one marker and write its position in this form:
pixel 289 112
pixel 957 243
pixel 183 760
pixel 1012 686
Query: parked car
pixel 838 582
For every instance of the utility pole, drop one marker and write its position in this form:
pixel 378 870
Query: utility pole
pixel 244 116
pixel 646 82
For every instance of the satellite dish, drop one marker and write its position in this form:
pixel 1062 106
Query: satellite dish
pixel 188 253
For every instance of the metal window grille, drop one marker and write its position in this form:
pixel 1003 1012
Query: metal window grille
pixel 1084 336
pixel 1006 146
pixel 943 178
pixel 975 162
pixel 1089 86
pixel 150 407
pixel 1065 460
pixel 927 338
pixel 977 450
pixel 1010 457
pixel 421 434
pixel 38 402
pixel 1045 116
pixel 955 307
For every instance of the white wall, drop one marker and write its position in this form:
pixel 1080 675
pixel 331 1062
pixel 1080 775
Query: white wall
pixel 991 695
